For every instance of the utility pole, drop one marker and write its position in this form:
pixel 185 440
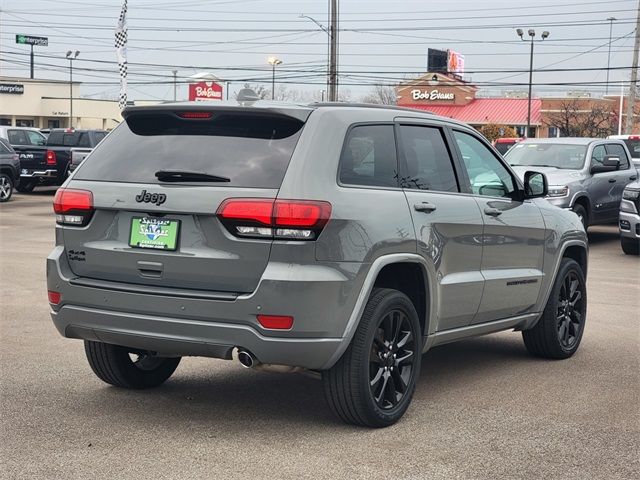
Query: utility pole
pixel 634 76
pixel 333 53
pixel 610 20
pixel 175 84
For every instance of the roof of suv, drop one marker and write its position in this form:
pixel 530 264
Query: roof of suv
pixel 296 110
pixel 565 140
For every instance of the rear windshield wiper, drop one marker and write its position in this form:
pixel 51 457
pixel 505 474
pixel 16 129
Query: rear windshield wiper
pixel 187 176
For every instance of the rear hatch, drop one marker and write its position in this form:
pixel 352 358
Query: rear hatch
pixel 164 232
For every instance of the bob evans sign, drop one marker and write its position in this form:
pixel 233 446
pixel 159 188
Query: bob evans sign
pixel 431 95
pixel 204 91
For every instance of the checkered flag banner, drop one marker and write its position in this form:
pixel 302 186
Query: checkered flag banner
pixel 121 53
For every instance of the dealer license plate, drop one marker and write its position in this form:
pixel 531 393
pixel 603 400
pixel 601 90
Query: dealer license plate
pixel 156 233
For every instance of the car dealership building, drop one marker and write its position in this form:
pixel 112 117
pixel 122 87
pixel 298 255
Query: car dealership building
pixel 46 104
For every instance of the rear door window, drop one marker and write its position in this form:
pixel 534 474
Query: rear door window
pixel 251 149
pixel 427 160
pixel 369 157
pixel 17 137
pixel 35 138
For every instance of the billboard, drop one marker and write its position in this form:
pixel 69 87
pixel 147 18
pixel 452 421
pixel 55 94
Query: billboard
pixel 455 63
pixel 205 91
pixel 436 60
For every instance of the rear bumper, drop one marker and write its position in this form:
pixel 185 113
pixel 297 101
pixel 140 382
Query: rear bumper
pixel 320 297
pixel 49 173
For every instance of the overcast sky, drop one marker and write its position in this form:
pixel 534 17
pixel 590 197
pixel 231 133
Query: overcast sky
pixel 381 41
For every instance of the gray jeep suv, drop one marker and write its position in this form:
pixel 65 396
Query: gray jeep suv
pixel 342 239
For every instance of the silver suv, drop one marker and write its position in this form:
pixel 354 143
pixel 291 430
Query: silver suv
pixel 343 239
pixel 586 175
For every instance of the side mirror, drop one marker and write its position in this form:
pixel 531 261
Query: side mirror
pixel 610 163
pixel 535 185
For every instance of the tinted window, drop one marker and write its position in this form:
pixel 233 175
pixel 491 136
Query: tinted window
pixel 98 136
pixel 428 163
pixel 253 150
pixel 618 151
pixel 487 174
pixel 634 147
pixel 503 147
pixel 597 157
pixel 35 138
pixel 83 141
pixel 4 148
pixel 369 157
pixel 17 137
pixel 55 138
pixel 558 155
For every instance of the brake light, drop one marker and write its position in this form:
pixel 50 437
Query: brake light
pixel 195 115
pixel 276 322
pixel 73 207
pixel 280 219
pixel 634 137
pixel 51 157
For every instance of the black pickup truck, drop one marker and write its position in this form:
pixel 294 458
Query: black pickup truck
pixel 49 164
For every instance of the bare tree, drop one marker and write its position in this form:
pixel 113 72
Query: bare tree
pixel 260 91
pixel 575 118
pixel 381 94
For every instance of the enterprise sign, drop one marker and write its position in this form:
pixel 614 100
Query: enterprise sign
pixel 31 40
pixel 12 88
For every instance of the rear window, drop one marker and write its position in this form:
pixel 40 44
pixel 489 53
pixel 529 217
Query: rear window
pixel 634 146
pixel 251 149
pixel 67 139
pixel 503 147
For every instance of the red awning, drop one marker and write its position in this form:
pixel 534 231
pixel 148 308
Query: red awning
pixel 505 111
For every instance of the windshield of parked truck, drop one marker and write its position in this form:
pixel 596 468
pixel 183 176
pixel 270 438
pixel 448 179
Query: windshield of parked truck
pixel 559 155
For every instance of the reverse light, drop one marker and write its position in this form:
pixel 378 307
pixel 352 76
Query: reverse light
pixel 276 322
pixel 54 297
pixel 279 219
pixel 51 157
pixel 558 191
pixel 73 207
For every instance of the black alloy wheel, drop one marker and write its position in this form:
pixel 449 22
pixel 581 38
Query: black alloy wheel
pixel 372 384
pixel 570 311
pixel 558 332
pixel 391 359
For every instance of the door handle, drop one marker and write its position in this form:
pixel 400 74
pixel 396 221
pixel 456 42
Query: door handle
pixel 492 212
pixel 612 180
pixel 425 207
pixel 632 178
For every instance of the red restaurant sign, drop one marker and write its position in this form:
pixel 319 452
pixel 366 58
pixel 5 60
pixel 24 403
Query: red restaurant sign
pixel 204 91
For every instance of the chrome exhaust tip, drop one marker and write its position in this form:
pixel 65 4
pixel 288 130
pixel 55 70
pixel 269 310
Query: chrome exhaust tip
pixel 246 359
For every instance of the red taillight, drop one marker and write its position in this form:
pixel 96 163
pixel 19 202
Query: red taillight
pixel 253 210
pixel 51 157
pixel 298 213
pixel 281 219
pixel 634 137
pixel 276 322
pixel 195 115
pixel 73 207
pixel 54 297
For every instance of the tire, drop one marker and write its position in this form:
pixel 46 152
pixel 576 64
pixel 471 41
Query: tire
pixel 113 365
pixel 349 387
pixel 6 187
pixel 630 246
pixel 25 187
pixel 582 214
pixel 558 333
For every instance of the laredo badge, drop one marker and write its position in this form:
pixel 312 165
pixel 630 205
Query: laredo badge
pixel 156 233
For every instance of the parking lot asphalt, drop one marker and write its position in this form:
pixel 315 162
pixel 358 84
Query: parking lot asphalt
pixel 483 407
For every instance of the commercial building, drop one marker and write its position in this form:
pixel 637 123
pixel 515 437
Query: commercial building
pixel 46 104
pixel 450 96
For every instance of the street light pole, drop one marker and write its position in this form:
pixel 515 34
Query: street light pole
pixel 71 56
pixel 273 61
pixel 610 20
pixel 532 33
pixel 175 84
